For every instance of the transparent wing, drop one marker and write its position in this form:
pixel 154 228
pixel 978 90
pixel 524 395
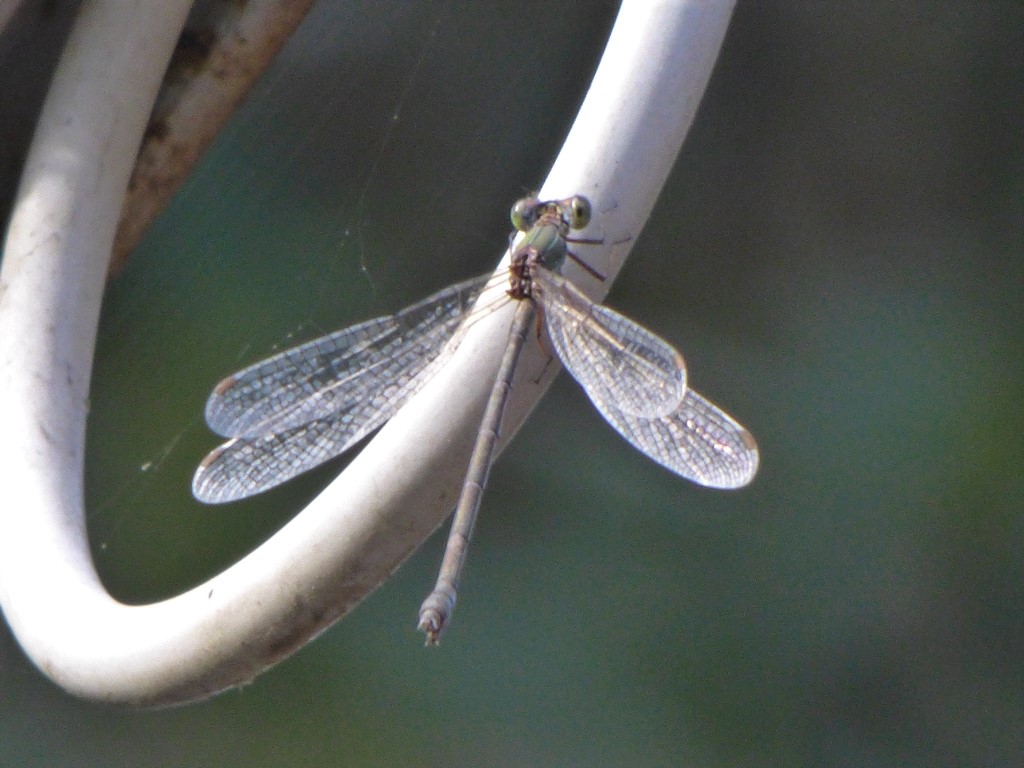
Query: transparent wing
pixel 618 362
pixel 359 372
pixel 245 466
pixel 700 441
pixel 290 416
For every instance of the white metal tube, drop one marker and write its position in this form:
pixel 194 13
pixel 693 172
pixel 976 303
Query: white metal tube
pixel 391 497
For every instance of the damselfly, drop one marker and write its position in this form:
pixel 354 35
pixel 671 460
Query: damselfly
pixel 305 405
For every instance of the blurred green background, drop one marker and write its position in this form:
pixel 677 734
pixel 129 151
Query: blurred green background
pixel 838 255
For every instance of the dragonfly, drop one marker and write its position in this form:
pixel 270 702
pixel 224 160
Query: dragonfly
pixel 305 405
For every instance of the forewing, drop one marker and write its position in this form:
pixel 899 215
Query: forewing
pixel 618 362
pixel 700 442
pixel 361 372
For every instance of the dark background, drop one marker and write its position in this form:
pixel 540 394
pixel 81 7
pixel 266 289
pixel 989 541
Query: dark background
pixel 838 255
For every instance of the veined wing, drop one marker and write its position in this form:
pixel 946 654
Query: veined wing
pixel 618 362
pixel 297 417
pixel 245 466
pixel 700 441
pixel 359 372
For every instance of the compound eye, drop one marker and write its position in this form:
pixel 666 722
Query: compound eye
pixel 524 213
pixel 580 211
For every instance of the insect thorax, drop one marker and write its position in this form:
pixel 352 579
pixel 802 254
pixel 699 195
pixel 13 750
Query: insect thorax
pixel 545 246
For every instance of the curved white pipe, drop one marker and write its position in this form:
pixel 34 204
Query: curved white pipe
pixel 390 498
